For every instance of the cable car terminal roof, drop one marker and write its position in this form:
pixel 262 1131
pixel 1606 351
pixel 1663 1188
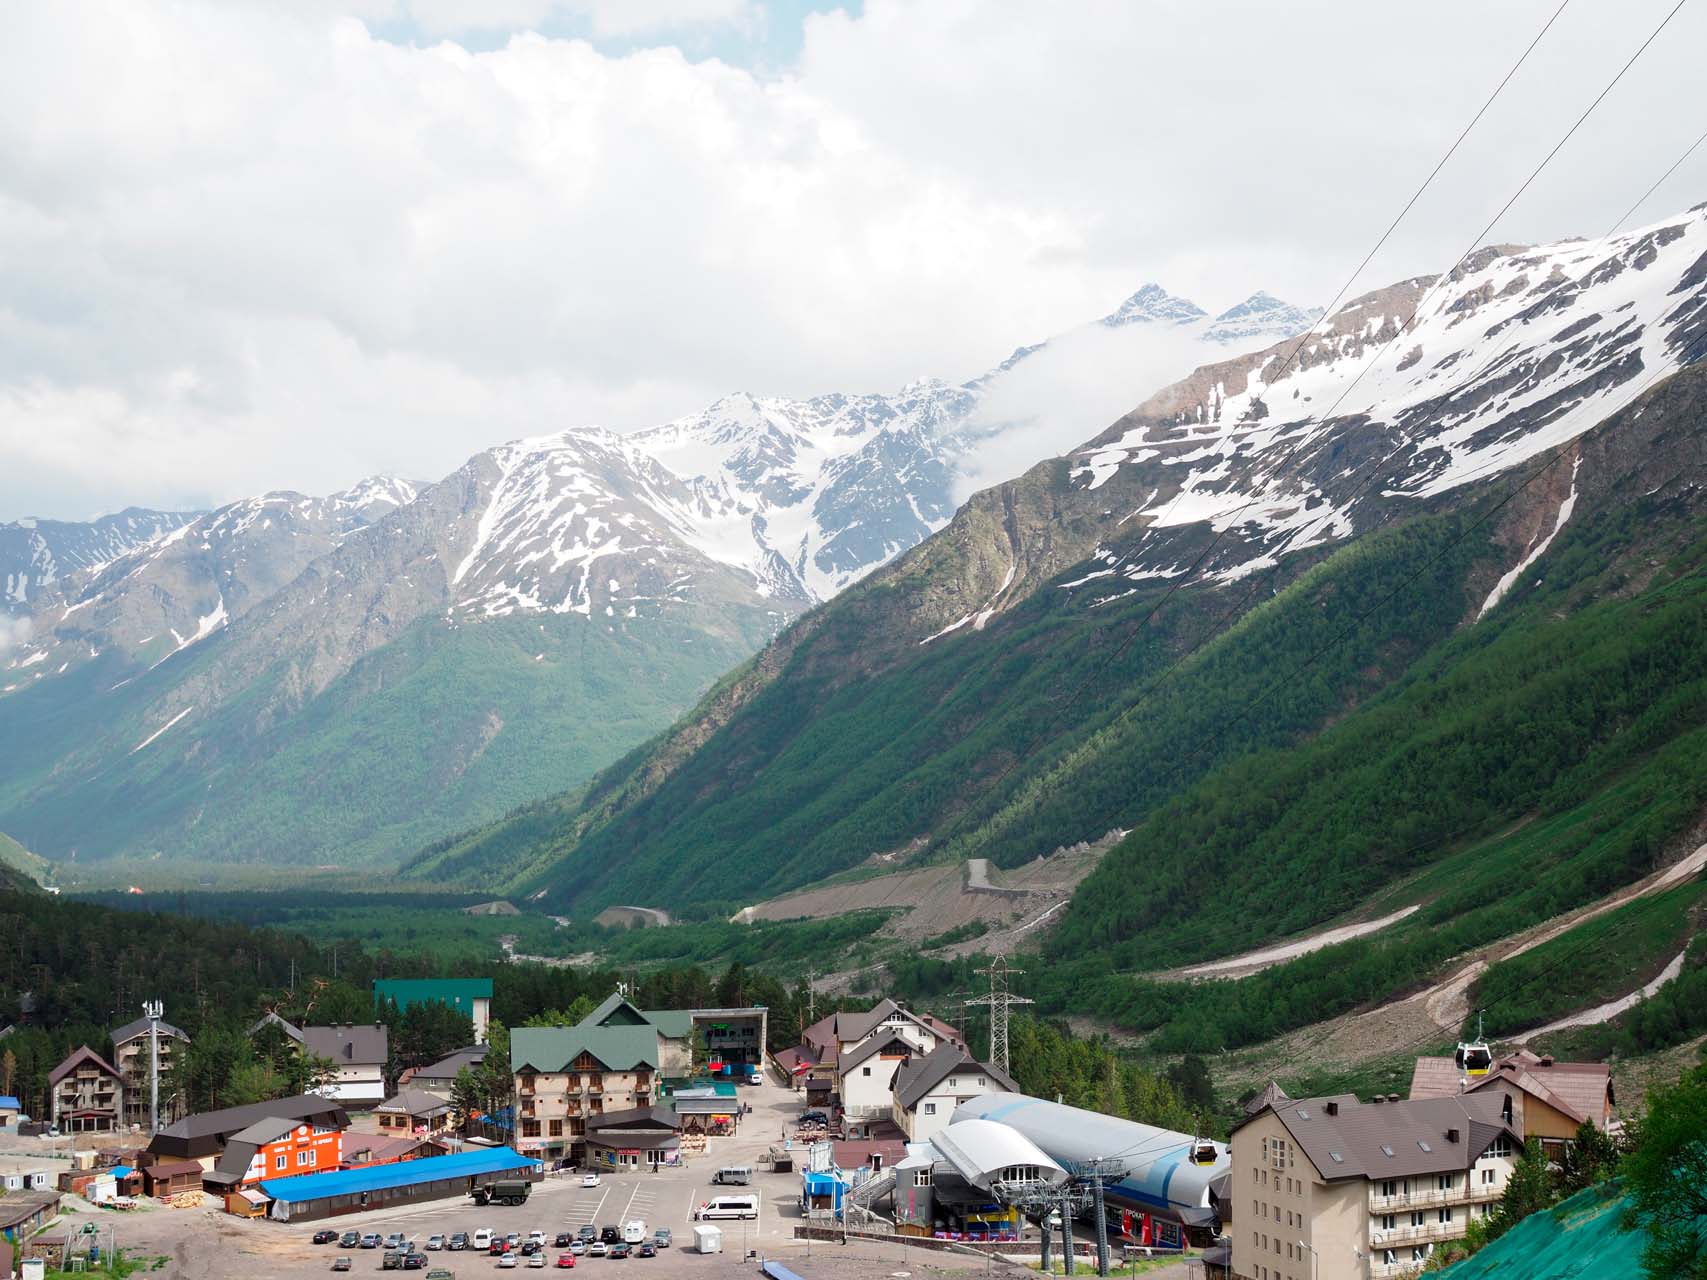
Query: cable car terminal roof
pixel 1161 1176
pixel 981 1150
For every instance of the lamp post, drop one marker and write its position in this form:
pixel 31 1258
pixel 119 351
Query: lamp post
pixel 1315 1258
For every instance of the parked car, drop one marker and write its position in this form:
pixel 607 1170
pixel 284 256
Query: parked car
pixel 342 1263
pixel 529 1248
pixel 648 1250
pixel 507 1260
pixel 435 1241
pixel 514 1239
pixel 661 1237
pixel 350 1240
pixel 598 1249
pixel 565 1261
pixel 578 1247
pixel 394 1240
pixel 325 1237
pixel 618 1250
pixel 498 1246
pixel 439 1273
pixel 458 1240
pixel 371 1240
pixel 610 1235
pixel 482 1238
pixel 536 1237
pixel 393 1261
pixel 589 1180
pixel 537 1260
pixel 414 1261
pixel 587 1232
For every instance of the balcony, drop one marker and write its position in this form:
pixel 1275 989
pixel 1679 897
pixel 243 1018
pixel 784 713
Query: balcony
pixel 1423 1198
pixel 1407 1235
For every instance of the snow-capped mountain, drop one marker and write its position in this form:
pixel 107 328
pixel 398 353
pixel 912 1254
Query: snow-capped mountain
pixel 180 586
pixel 519 624
pixel 1518 351
pixel 35 554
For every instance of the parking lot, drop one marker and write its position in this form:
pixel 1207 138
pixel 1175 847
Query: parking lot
pixel 212 1245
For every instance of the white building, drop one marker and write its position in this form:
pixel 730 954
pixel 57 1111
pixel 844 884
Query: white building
pixel 926 1090
pixel 1335 1187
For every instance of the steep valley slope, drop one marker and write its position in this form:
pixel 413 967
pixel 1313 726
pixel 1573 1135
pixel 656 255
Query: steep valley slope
pixel 1485 528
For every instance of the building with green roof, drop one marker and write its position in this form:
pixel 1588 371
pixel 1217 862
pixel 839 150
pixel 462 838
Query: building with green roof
pixel 469 996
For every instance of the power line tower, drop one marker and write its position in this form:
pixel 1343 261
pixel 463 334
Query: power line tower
pixel 998 1000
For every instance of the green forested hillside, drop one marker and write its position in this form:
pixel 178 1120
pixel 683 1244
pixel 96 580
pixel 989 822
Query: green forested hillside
pixel 819 772
pixel 446 726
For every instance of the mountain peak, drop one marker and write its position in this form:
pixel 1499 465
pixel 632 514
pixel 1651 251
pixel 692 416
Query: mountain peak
pixel 1262 315
pixel 1153 303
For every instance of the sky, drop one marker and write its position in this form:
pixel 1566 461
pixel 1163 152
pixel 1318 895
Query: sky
pixel 248 245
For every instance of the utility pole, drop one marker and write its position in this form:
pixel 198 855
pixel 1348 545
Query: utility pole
pixel 1101 1220
pixel 998 1001
pixel 152 1009
pixel 1067 1233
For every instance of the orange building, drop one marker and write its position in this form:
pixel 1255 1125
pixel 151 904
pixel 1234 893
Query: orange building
pixel 275 1147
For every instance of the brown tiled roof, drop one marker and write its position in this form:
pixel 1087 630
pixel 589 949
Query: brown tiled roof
pixel 1394 1139
pixel 78 1056
pixel 855 1153
pixel 1579 1090
pixel 789 1059
pixel 363 1044
pixel 172 1169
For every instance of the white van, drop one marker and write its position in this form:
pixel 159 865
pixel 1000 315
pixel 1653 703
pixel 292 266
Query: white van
pixel 728 1207
pixel 733 1175
pixel 482 1239
pixel 634 1232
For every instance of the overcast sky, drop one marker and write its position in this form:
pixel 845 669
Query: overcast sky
pixel 250 245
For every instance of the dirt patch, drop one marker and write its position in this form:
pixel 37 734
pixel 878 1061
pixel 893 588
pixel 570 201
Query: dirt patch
pixel 934 900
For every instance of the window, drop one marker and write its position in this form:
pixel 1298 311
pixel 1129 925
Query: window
pixel 1388 1257
pixel 1416 1217
pixel 981 1082
pixel 279 1161
pixel 1419 1253
pixel 1501 1148
pixel 1389 1187
pixel 1444 1215
pixel 921 1177
pixel 556 1128
pixel 1487 1177
pixel 930 1108
pixel 1388 1222
pixel 865 1071
pixel 1445 1181
pixel 304 1159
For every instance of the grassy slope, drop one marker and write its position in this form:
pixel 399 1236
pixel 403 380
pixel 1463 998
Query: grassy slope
pixel 823 768
pixel 444 727
pixel 1525 766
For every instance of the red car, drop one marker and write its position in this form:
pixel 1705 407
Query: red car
pixel 566 1260
pixel 498 1247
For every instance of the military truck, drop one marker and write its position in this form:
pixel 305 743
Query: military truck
pixel 503 1191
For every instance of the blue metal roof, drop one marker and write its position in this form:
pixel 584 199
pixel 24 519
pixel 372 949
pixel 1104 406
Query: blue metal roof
pixel 8 1102
pixel 776 1271
pixel 405 1173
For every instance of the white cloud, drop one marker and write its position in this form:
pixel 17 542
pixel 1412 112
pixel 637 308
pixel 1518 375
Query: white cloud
pixel 256 245
pixel 14 634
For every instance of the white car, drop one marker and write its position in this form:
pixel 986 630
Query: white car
pixel 483 1239
pixel 590 1180
pixel 536 1237
pixel 506 1261
pixel 435 1242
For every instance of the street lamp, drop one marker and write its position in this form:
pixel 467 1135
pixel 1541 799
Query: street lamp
pixel 1315 1259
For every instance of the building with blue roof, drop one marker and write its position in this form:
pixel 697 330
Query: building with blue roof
pixel 10 1109
pixel 323 1195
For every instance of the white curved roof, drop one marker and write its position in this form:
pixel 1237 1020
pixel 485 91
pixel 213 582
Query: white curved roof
pixel 1160 1173
pixel 980 1150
